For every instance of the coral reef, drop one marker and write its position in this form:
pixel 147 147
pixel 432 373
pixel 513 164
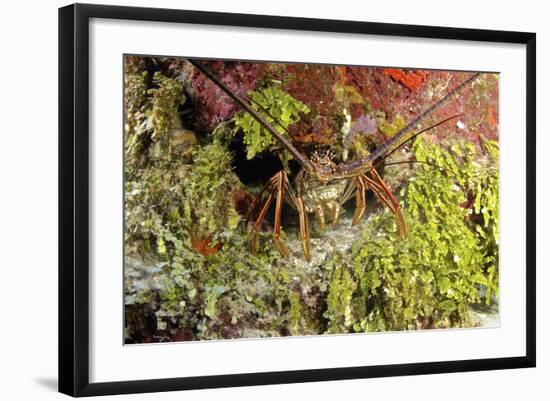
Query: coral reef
pixel 189 272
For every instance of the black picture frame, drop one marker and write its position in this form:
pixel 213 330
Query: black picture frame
pixel 74 194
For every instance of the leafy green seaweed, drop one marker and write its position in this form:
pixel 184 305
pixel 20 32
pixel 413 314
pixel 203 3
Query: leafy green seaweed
pixel 280 105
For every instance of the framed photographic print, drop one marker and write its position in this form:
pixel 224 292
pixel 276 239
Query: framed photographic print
pixel 249 199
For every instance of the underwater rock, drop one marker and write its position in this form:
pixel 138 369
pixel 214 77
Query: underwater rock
pixel 182 137
pixel 188 208
pixel 212 105
pixel 183 142
pixel 141 276
pixel 336 239
pixel 485 316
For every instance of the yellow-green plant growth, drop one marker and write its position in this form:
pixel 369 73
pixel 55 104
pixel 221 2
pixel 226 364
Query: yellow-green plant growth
pixel 281 106
pixel 449 260
pixel 151 111
pixel 173 187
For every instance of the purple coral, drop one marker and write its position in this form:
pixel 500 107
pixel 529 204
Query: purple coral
pixel 364 125
pixel 213 106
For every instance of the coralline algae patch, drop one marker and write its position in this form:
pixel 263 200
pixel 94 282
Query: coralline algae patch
pixel 385 93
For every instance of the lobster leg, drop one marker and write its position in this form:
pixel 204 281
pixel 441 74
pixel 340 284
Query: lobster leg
pixel 376 177
pixel 259 219
pixel 276 189
pixel 258 198
pixel 280 189
pixel 401 223
pixel 383 193
pixel 304 227
pixel 321 216
pixel 361 204
pixel 346 195
pixel 336 214
pixel 297 200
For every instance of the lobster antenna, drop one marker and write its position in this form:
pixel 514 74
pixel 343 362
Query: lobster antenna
pixel 415 162
pixel 388 148
pixel 300 158
pixel 437 124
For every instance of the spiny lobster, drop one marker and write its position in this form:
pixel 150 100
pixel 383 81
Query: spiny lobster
pixel 322 185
